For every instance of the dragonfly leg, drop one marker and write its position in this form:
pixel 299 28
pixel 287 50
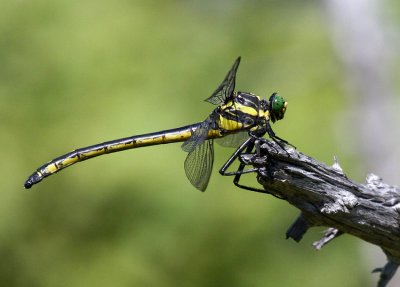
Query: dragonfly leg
pixel 248 146
pixel 240 170
pixel 278 140
pixel 234 156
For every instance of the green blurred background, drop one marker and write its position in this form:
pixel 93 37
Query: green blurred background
pixel 76 73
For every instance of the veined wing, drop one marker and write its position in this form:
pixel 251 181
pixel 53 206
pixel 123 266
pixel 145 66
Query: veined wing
pixel 199 163
pixel 198 137
pixel 226 88
pixel 233 140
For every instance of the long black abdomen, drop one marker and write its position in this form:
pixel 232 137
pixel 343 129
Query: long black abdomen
pixel 81 154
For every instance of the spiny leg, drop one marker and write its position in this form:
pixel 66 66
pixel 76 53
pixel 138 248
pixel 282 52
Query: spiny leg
pixel 249 145
pixel 234 156
pixel 279 141
pixel 239 172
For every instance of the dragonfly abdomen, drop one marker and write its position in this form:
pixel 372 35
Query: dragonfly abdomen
pixel 81 154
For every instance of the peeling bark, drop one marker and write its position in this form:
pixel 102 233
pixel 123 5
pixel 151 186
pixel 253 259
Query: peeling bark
pixel 327 197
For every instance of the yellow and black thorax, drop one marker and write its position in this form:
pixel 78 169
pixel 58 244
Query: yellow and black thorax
pixel 244 111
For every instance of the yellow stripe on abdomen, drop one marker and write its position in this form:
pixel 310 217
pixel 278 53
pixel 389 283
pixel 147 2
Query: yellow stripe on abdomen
pixel 78 155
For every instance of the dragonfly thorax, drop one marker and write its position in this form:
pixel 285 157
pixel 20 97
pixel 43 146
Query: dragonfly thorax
pixel 244 111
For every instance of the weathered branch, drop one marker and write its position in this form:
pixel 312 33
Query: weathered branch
pixel 326 197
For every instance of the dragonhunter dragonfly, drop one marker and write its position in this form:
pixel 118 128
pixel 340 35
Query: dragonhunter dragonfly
pixel 240 117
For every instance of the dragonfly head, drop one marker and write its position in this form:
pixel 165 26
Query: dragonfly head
pixel 277 107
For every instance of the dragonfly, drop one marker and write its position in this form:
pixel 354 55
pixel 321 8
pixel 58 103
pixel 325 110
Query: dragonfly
pixel 239 120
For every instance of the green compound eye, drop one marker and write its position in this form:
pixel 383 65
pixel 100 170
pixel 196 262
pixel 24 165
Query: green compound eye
pixel 277 106
pixel 278 103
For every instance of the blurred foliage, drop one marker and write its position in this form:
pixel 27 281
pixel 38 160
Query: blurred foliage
pixel 75 73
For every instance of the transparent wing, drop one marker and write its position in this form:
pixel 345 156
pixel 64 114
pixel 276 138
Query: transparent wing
pixel 199 163
pixel 226 88
pixel 198 137
pixel 233 140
